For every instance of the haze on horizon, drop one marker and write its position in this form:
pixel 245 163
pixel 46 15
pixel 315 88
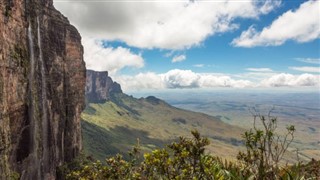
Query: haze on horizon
pixel 214 44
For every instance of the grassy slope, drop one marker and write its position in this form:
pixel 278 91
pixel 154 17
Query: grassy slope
pixel 115 126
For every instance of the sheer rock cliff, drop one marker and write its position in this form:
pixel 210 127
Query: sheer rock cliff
pixel 42 88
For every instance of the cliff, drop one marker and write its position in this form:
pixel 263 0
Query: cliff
pixel 100 86
pixel 42 82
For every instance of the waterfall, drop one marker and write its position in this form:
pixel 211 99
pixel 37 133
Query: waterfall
pixel 30 37
pixel 31 95
pixel 44 124
pixel 33 121
pixel 37 104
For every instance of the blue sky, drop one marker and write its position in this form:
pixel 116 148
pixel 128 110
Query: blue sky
pixel 201 44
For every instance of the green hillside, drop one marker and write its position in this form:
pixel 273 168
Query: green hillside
pixel 116 125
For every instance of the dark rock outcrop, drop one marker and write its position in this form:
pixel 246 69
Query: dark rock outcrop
pixel 100 86
pixel 42 82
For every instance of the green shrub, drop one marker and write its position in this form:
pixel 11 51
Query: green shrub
pixel 264 148
pixel 186 159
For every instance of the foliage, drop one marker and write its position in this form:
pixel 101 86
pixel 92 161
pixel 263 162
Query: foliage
pixel 310 170
pixel 187 159
pixel 77 164
pixel 14 176
pixel 265 149
pixel 183 160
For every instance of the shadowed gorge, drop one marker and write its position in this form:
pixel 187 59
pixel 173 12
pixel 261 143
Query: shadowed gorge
pixel 42 80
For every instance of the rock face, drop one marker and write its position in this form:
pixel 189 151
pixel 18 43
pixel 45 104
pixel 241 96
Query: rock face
pixel 100 86
pixel 42 83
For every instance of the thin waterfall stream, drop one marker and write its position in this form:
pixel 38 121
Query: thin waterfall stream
pixel 31 77
pixel 33 121
pixel 43 99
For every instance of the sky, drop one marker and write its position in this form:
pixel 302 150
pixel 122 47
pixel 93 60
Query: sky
pixel 208 44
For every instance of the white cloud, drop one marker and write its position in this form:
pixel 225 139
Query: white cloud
pixel 156 24
pixel 307 80
pixel 186 79
pixel 310 69
pixel 168 54
pixel 309 60
pixel 289 80
pixel 178 58
pixel 254 76
pixel 209 81
pixel 259 69
pixel 179 79
pixel 100 58
pixel 140 81
pixel 301 25
pixel 269 5
pixel 199 65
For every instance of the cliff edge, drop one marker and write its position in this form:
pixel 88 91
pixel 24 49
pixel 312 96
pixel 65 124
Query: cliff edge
pixel 42 84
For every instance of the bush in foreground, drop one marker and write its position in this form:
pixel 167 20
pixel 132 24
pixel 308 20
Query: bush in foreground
pixel 186 159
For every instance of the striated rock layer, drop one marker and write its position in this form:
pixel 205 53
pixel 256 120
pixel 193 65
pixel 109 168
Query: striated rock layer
pixel 42 84
pixel 100 86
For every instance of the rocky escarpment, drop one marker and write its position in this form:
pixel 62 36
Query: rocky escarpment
pixel 42 81
pixel 100 86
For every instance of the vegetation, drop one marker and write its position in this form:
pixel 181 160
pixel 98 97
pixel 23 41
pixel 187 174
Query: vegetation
pixel 113 127
pixel 187 159
pixel 265 149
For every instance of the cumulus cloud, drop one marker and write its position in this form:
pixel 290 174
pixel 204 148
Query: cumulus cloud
pixel 178 58
pixel 209 81
pixel 310 69
pixel 155 24
pixel 179 79
pixel 259 69
pixel 100 58
pixel 289 80
pixel 140 81
pixel 301 25
pixel 309 60
pixel 186 79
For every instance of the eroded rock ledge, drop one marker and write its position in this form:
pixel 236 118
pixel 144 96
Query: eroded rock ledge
pixel 100 86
